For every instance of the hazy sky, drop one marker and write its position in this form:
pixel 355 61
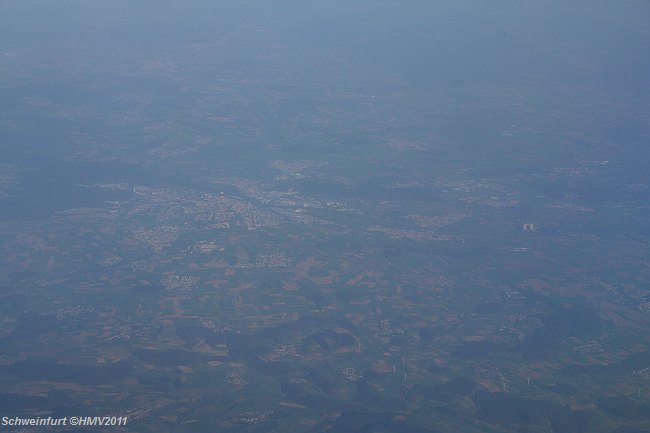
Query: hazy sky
pixel 602 42
pixel 584 58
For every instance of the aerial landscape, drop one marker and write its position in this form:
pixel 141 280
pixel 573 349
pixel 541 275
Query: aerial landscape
pixel 345 217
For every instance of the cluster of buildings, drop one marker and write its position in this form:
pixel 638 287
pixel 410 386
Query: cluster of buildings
pixel 351 374
pixel 212 326
pixel 591 347
pixel 285 350
pixel 235 378
pixel 386 329
pixel 255 417
pixel 175 282
pixel 159 237
pixel 268 260
pixel 488 372
pixel 70 312
pixel 126 332
pixel 415 235
pixel 292 170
